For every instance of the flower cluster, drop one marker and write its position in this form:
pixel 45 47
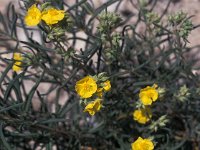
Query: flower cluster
pixel 182 94
pixel 50 16
pixel 143 114
pixel 181 24
pixel 91 89
pixel 108 21
pixel 147 96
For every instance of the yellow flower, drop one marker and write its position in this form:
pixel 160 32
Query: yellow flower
pixel 18 62
pixel 93 107
pixel 86 87
pixel 52 16
pixel 148 95
pixel 33 16
pixel 142 115
pixel 100 92
pixel 142 144
pixel 107 85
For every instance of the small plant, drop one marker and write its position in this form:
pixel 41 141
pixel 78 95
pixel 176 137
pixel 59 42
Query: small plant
pixel 77 77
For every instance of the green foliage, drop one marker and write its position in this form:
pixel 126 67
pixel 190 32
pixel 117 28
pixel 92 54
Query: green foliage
pixel 181 24
pixel 132 59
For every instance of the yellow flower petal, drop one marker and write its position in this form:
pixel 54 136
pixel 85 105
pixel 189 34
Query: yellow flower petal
pixel 107 85
pixel 142 115
pixel 86 87
pixel 142 144
pixel 18 62
pixel 145 100
pixel 93 107
pixel 100 92
pixel 52 16
pixel 33 16
pixel 148 95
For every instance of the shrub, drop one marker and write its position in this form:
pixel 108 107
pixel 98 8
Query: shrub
pixel 89 78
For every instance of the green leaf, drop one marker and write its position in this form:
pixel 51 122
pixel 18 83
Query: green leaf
pixel 2 20
pixel 12 18
pixel 88 8
pixel 5 143
pixel 100 9
pixel 37 46
pixel 49 146
pixel 16 88
pixel 67 107
pixel 77 4
pixel 31 93
pixel 11 107
pixel 98 127
pixel 52 120
pixel 11 84
pixel 3 75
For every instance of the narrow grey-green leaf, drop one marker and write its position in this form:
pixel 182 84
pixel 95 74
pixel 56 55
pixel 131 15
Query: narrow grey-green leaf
pixel 77 4
pixel 31 93
pixel 11 107
pixel 5 143
pixel 66 108
pixel 11 84
pixel 3 75
pixel 100 9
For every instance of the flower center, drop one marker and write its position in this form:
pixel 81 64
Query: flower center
pixel 87 87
